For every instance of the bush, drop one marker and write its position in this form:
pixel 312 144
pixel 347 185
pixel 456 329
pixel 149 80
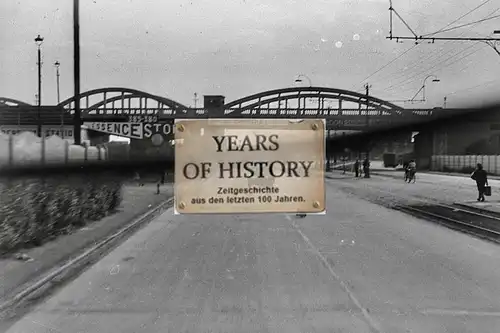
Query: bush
pixel 35 209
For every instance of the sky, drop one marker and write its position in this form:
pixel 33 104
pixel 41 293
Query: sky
pixel 235 48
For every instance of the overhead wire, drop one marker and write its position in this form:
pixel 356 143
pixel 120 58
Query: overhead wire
pixel 439 56
pixel 458 19
pixel 471 23
pixel 449 64
pixel 408 80
pixel 387 64
pixel 474 87
pixel 435 55
pixel 429 58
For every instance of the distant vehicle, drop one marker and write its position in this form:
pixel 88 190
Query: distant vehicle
pixel 390 160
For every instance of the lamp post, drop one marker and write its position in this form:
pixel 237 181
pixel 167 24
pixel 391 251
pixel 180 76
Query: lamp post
pixel 57 64
pixel 422 89
pixel 39 41
pixel 299 79
pixel 433 80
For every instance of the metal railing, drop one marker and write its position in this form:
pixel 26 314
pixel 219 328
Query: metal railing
pixel 465 163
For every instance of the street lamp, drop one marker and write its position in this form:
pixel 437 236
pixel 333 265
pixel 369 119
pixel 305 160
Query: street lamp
pixel 57 64
pixel 422 89
pixel 39 41
pixel 298 79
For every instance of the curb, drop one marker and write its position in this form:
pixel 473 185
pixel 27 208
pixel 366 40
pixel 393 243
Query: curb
pixel 463 175
pixel 477 209
pixel 73 263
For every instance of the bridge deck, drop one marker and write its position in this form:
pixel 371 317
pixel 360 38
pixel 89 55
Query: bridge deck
pixel 335 118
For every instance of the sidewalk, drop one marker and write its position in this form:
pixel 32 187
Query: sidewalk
pixel 455 182
pixel 377 168
pixel 137 200
pixel 399 173
pixel 456 174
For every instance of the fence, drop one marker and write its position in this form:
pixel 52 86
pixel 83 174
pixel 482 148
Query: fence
pixel 465 163
pixel 28 149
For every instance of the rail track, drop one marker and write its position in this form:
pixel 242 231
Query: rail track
pixel 473 221
pixel 469 221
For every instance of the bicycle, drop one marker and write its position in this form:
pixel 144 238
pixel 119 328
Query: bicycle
pixel 411 175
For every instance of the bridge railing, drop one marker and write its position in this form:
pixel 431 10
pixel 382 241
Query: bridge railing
pixel 264 112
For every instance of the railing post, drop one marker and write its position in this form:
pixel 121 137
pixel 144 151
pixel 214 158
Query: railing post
pixel 43 149
pixel 11 150
pixel 66 152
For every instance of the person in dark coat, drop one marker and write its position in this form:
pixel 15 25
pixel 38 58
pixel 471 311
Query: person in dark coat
pixel 481 178
pixel 356 168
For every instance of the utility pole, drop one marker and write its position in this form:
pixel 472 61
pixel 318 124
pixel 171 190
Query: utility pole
pixel 431 40
pixel 57 64
pixel 367 169
pixel 77 119
pixel 367 122
pixel 39 41
pixel 367 88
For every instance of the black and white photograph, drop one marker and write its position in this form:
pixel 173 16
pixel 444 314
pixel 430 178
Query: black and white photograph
pixel 267 166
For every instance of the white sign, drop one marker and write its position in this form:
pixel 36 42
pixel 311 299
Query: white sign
pixel 61 131
pixel 237 166
pixel 130 130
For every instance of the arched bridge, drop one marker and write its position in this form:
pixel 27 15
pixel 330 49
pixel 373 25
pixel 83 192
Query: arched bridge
pixel 99 101
pixel 341 108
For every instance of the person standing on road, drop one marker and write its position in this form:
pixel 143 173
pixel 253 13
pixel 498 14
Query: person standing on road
pixel 481 178
pixel 366 168
pixel 356 168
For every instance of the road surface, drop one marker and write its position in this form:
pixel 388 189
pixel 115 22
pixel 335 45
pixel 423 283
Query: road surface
pixel 447 189
pixel 359 268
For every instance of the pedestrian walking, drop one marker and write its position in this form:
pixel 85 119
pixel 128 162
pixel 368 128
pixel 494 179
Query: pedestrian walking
pixel 481 178
pixel 366 168
pixel 356 168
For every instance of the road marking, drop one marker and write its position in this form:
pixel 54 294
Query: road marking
pixel 371 322
pixel 444 312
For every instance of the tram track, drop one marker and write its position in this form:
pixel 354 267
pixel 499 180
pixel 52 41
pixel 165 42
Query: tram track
pixel 476 222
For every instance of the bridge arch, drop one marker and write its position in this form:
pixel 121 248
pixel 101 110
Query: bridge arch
pixel 10 102
pixel 117 97
pixel 276 96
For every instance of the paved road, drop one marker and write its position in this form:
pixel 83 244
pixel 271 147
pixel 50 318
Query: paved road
pixel 359 268
pixel 447 189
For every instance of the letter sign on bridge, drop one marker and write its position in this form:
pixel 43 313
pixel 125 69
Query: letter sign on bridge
pixel 131 130
pixel 244 166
